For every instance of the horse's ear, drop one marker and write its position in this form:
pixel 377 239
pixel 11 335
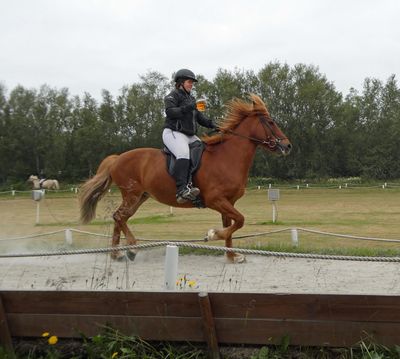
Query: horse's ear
pixel 251 99
pixel 258 104
pixel 254 100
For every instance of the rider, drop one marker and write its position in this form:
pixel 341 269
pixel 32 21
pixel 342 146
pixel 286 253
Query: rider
pixel 180 130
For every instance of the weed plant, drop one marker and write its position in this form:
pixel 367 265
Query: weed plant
pixel 112 344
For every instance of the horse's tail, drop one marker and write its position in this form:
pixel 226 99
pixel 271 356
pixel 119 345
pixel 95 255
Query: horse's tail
pixel 56 184
pixel 93 190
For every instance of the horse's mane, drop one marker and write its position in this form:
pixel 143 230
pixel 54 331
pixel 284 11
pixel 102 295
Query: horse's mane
pixel 236 111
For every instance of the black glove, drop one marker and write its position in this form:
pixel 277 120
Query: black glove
pixel 213 125
pixel 189 107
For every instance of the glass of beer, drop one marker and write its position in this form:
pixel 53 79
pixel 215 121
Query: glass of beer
pixel 201 104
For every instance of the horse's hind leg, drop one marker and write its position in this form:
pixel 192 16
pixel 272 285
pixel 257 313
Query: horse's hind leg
pixel 127 209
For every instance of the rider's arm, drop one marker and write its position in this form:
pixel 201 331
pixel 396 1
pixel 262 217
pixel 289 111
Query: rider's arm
pixel 204 121
pixel 174 109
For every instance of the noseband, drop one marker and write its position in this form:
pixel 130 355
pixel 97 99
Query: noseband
pixel 272 140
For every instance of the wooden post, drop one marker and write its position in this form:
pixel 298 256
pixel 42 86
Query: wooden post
pixel 209 330
pixel 5 336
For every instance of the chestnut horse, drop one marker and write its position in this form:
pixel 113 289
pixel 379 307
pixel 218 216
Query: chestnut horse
pixel 222 177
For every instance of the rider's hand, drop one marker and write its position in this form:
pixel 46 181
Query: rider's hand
pixel 213 125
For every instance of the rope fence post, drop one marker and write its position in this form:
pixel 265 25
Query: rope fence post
pixel 68 236
pixel 171 267
pixel 295 237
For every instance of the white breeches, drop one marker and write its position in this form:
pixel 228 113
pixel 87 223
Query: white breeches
pixel 178 143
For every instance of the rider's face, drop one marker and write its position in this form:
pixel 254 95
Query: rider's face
pixel 188 85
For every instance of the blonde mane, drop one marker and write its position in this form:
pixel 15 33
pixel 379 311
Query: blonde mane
pixel 237 110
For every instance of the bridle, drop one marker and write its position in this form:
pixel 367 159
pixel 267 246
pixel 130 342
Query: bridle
pixel 271 142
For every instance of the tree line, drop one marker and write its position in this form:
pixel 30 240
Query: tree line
pixel 49 131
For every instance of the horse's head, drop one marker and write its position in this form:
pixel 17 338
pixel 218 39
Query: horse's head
pixel 253 121
pixel 267 133
pixel 32 178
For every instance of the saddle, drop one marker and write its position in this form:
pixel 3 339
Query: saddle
pixel 196 151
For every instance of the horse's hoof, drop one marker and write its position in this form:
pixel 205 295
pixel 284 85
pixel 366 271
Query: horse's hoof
pixel 131 255
pixel 118 256
pixel 212 235
pixel 236 258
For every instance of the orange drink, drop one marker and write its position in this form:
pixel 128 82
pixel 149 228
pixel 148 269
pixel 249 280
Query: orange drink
pixel 201 104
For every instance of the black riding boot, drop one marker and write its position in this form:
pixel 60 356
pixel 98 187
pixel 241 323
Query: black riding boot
pixel 184 190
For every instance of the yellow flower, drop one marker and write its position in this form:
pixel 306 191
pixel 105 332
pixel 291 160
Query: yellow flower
pixel 53 340
pixel 191 283
pixel 45 334
pixel 114 355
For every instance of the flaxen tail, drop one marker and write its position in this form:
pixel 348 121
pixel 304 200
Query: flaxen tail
pixel 93 190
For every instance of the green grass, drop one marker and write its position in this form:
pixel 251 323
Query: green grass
pixel 113 344
pixel 365 212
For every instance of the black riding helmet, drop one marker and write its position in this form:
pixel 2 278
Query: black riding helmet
pixel 184 74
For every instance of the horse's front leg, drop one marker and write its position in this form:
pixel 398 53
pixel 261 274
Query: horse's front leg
pixel 232 220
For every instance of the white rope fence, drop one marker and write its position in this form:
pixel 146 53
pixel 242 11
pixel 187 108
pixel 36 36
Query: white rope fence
pixel 15 192
pixel 270 185
pixel 349 236
pixel 198 246
pixel 294 233
pixel 187 243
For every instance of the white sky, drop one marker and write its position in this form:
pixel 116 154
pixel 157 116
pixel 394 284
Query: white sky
pixel 89 45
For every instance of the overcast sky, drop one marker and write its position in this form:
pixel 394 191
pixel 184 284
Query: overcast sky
pixel 89 45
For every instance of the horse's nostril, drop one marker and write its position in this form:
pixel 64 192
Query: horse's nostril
pixel 289 146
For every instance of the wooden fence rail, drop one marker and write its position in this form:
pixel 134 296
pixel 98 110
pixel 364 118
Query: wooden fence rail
pixel 214 318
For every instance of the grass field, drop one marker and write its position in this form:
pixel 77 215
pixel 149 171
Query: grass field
pixel 370 212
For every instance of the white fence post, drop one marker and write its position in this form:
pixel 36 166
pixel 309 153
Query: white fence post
pixel 171 267
pixel 274 212
pixel 37 212
pixel 295 237
pixel 68 236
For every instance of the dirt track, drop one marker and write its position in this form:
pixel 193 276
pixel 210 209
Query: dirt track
pixel 209 273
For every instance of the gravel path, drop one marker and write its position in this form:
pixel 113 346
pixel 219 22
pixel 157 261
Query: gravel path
pixel 206 273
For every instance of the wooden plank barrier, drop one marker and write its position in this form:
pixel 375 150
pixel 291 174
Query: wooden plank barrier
pixel 214 318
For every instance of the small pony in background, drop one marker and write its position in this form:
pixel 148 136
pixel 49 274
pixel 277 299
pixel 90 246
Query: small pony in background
pixel 43 183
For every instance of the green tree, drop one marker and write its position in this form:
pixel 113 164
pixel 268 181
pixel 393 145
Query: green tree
pixel 140 109
pixel 380 111
pixel 305 106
